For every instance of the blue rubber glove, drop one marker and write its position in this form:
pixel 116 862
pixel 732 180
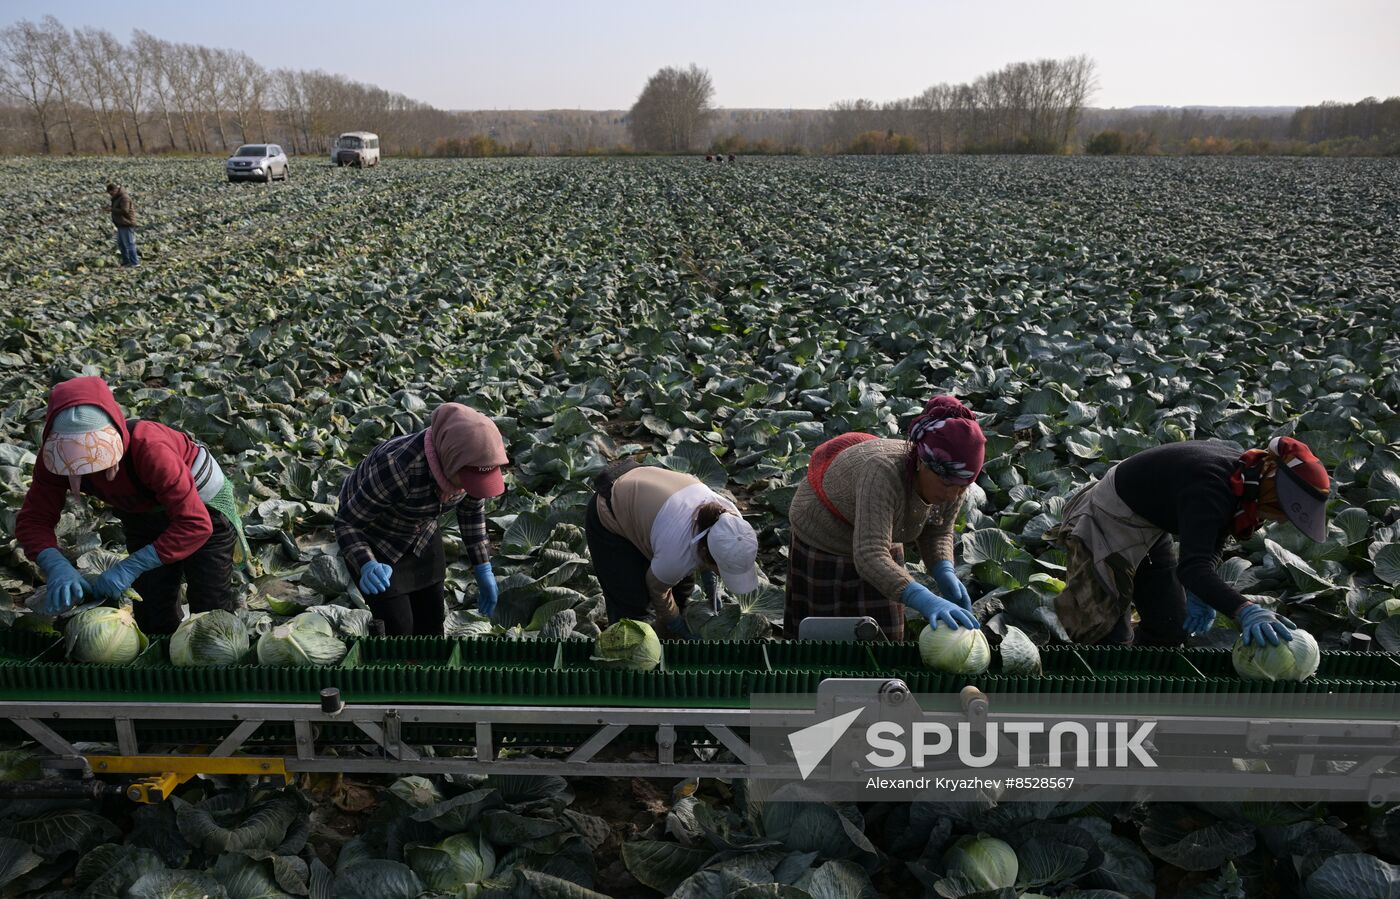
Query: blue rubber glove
pixel 66 586
pixel 1199 616
pixel 118 579
pixel 936 608
pixel 1261 625
pixel 486 590
pixel 374 577
pixel 949 585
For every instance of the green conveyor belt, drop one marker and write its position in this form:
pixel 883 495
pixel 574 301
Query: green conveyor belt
pixel 493 671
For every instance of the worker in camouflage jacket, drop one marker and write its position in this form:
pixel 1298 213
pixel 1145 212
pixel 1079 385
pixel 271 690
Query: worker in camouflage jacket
pixel 1119 536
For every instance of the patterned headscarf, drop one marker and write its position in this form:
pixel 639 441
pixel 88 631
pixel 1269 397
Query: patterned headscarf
pixel 82 440
pixel 948 440
pixel 1284 481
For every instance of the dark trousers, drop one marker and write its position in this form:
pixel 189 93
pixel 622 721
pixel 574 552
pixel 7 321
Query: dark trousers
pixel 1160 601
pixel 126 245
pixel 418 613
pixel 414 603
pixel 207 572
pixel 621 569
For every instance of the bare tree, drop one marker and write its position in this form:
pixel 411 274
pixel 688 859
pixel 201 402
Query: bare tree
pixel 83 54
pixel 673 110
pixel 56 56
pixel 24 77
pixel 130 86
pixel 286 94
pixel 156 57
pixel 212 87
pixel 931 109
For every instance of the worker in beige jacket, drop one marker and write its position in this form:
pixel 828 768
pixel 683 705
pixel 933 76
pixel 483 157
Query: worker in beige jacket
pixel 650 529
pixel 864 498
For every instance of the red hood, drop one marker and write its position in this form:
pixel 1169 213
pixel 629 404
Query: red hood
pixel 89 391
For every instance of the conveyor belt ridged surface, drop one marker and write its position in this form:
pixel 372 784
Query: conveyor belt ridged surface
pixel 493 671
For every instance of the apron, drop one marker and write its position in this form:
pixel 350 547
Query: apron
pixel 1106 541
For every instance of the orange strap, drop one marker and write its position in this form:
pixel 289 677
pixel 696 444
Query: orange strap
pixel 822 458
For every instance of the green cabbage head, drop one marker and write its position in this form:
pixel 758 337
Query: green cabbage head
pixel 308 639
pixel 628 644
pixel 986 862
pixel 1296 659
pixel 209 638
pixel 961 651
pixel 103 636
pixel 455 865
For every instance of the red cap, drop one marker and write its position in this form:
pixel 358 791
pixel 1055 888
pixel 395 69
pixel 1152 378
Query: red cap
pixel 469 445
pixel 1302 485
pixel 482 483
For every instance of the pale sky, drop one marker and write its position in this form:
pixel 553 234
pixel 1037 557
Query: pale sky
pixel 533 54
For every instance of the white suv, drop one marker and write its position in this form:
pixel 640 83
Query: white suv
pixel 258 162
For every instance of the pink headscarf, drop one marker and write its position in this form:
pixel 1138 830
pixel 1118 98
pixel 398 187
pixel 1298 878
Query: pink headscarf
pixel 948 440
pixel 75 455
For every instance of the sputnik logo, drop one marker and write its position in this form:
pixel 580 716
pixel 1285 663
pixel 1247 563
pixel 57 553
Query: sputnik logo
pixel 811 744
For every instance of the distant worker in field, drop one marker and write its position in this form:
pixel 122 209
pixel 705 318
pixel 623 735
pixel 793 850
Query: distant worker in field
pixel 864 497
pixel 651 529
pixel 1119 531
pixel 124 217
pixel 175 506
pixel 387 523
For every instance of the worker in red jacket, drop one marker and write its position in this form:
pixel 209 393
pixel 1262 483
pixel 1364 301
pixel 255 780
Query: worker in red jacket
pixel 175 506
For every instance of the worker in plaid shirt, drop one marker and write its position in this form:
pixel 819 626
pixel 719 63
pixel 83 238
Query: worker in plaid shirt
pixel 387 523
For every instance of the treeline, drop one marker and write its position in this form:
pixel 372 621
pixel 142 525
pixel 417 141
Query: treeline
pixel 1368 128
pixel 85 91
pixel 1025 107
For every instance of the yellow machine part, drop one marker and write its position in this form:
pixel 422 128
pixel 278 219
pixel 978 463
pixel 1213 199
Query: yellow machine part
pixel 169 771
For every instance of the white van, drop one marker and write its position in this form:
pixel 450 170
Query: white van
pixel 357 148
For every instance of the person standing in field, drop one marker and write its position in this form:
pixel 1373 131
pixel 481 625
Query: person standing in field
pixel 176 508
pixel 1118 532
pixel 864 497
pixel 387 523
pixel 650 529
pixel 124 217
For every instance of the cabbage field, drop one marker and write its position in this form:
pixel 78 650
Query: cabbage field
pixel 721 321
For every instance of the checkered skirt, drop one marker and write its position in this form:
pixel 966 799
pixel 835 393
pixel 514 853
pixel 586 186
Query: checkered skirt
pixel 820 584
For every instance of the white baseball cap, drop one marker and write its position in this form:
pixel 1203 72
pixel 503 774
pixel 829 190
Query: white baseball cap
pixel 734 546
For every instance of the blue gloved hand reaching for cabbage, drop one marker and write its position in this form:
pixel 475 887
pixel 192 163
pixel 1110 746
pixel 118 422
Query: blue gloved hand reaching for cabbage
pixel 118 579
pixel 949 586
pixel 935 608
pixel 1260 626
pixel 66 587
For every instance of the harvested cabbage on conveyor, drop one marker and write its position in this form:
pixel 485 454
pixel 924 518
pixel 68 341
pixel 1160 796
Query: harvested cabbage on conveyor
pixel 495 671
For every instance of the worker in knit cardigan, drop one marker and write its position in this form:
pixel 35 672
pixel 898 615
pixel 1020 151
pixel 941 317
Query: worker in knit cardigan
pixel 387 522
pixel 864 497
pixel 176 508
